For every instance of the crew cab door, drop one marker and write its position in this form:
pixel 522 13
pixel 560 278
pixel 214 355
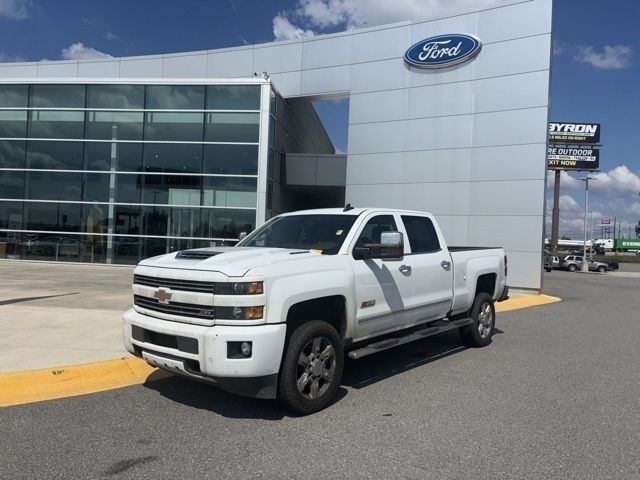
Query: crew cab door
pixel 382 286
pixel 432 270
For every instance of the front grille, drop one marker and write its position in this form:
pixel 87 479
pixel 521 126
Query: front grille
pixel 217 288
pixel 174 284
pixel 184 344
pixel 174 308
pixel 206 312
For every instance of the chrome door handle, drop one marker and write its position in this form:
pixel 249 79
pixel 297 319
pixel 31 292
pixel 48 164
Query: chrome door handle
pixel 405 268
pixel 446 265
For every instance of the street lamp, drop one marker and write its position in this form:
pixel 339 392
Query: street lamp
pixel 585 265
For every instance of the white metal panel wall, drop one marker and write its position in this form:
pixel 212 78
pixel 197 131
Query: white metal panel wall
pixel 466 142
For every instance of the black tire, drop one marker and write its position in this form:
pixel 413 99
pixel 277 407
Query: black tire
pixel 547 269
pixel 470 334
pixel 572 268
pixel 301 342
pixel 602 269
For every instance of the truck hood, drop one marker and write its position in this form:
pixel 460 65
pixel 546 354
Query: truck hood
pixel 231 261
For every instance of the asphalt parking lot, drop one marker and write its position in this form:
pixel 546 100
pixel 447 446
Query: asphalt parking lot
pixel 555 396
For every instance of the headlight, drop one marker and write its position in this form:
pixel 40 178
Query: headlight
pixel 240 288
pixel 247 313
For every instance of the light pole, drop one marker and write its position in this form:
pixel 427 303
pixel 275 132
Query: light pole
pixel 585 265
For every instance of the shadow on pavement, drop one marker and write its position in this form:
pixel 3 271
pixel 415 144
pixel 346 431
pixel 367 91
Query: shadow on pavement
pixel 357 374
pixel 209 397
pixel 375 368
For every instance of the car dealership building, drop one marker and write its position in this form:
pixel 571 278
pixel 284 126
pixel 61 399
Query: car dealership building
pixel 111 160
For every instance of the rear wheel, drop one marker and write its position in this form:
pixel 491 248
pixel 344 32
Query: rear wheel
pixel 312 368
pixel 479 333
pixel 602 269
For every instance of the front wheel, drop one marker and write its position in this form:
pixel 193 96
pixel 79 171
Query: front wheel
pixel 312 368
pixel 572 268
pixel 602 269
pixel 479 333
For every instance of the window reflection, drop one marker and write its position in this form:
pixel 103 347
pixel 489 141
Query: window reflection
pixel 230 192
pixel 232 127
pixel 115 96
pixel 233 97
pixel 54 155
pixel 174 158
pixel 175 97
pixel 11 184
pixel 14 95
pixel 12 154
pixel 231 159
pixel 54 186
pixel 114 125
pixel 52 216
pixel 127 156
pixel 172 189
pixel 57 96
pixel 56 124
pixel 13 123
pixel 174 126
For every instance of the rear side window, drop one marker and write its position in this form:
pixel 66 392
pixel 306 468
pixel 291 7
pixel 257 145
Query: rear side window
pixel 422 234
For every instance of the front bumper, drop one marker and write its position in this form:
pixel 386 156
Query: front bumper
pixel 255 376
pixel 505 294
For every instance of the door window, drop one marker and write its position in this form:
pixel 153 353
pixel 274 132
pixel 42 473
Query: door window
pixel 374 228
pixel 422 234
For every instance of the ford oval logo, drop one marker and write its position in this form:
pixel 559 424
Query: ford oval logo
pixel 443 51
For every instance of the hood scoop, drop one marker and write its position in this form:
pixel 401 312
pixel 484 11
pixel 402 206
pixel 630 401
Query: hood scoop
pixel 196 254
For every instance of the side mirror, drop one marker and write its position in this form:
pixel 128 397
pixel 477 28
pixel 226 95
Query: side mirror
pixel 391 247
pixel 242 235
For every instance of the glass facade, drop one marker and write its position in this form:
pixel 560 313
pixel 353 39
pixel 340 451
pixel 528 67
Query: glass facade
pixel 114 173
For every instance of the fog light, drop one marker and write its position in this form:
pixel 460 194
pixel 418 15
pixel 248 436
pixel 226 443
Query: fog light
pixel 245 349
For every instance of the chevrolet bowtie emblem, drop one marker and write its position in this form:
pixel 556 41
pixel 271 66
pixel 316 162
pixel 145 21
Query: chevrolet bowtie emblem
pixel 162 295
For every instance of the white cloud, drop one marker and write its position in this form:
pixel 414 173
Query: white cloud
pixel 568 203
pixel 559 48
pixel 349 14
pixel 566 180
pixel 283 29
pixel 5 57
pixel 616 181
pixel 14 9
pixel 79 51
pixel 634 208
pixel 613 57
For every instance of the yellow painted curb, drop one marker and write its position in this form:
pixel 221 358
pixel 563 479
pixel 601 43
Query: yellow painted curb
pixel 525 302
pixel 38 385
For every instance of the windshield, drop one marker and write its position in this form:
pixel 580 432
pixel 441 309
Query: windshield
pixel 318 232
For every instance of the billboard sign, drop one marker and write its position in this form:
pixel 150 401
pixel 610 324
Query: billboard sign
pixel 443 51
pixel 571 158
pixel 574 133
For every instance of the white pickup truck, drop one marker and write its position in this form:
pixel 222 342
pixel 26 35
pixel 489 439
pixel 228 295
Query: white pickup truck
pixel 274 316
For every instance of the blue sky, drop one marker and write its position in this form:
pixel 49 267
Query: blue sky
pixel 595 76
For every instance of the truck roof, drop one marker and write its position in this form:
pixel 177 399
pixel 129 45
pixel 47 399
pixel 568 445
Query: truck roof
pixel 353 211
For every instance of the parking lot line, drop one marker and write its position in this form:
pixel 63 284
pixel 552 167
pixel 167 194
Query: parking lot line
pixel 39 385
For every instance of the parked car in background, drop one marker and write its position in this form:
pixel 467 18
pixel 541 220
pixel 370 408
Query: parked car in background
pixel 548 262
pixel 574 262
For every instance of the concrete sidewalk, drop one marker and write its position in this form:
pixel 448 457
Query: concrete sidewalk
pixel 56 314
